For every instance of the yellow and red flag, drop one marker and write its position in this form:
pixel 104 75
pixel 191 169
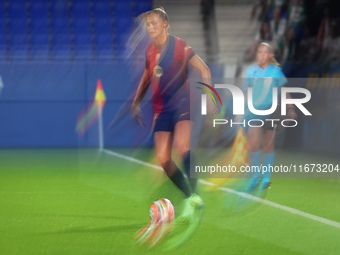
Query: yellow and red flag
pixel 92 112
pixel 237 158
pixel 239 153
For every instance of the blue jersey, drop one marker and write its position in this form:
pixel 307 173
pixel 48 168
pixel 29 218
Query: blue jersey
pixel 263 81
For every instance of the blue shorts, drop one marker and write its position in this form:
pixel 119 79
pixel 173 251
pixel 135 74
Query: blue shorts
pixel 166 121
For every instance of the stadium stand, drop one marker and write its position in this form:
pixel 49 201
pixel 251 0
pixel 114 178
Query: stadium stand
pixel 66 30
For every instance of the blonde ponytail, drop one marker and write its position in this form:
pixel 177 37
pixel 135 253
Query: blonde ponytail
pixel 273 61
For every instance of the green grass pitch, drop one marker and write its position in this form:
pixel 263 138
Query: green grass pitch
pixel 85 202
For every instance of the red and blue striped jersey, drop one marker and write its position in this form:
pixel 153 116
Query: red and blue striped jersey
pixel 168 69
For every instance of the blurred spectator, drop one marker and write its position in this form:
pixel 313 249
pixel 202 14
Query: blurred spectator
pixel 325 30
pixel 266 6
pixel 263 35
pixel 308 50
pixel 318 10
pixel 336 40
pixel 277 27
pixel 277 4
pixel 297 20
pixel 286 48
pixel 296 13
pixel 329 53
pixel 263 5
pixel 300 31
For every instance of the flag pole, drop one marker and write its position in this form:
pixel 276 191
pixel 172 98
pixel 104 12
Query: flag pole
pixel 100 101
pixel 100 131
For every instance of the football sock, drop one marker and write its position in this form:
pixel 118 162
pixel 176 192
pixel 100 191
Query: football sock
pixel 186 163
pixel 178 178
pixel 255 160
pixel 268 161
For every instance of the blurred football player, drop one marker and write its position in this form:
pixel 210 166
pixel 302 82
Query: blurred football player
pixel 166 71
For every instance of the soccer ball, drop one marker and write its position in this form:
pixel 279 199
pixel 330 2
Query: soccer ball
pixel 162 216
pixel 162 211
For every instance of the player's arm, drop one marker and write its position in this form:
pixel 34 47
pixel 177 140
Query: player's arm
pixel 197 63
pixel 291 113
pixel 282 81
pixel 141 91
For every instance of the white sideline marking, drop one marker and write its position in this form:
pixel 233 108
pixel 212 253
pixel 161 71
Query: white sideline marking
pixel 241 194
pixel 132 159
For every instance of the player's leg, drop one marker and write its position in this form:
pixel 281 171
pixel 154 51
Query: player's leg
pixel 255 153
pixel 163 145
pixel 269 154
pixel 254 138
pixel 192 212
pixel 182 143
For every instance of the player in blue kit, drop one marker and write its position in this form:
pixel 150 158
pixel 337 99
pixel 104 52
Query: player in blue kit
pixel 166 71
pixel 262 78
